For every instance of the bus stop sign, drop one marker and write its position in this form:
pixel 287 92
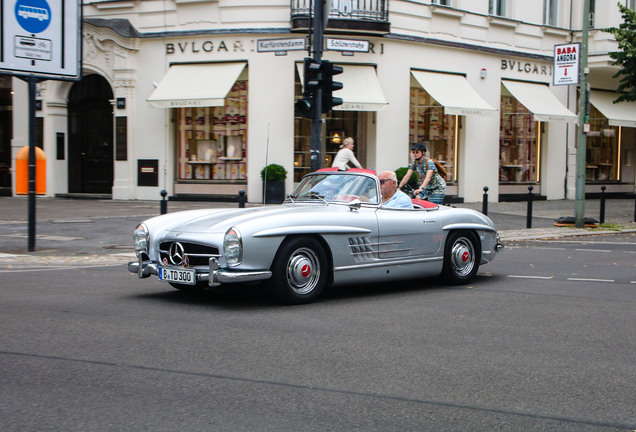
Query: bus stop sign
pixel 41 38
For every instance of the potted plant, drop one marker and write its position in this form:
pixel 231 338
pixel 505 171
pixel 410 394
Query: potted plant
pixel 401 172
pixel 273 176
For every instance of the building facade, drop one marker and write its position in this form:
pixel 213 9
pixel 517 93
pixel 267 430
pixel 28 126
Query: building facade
pixel 196 97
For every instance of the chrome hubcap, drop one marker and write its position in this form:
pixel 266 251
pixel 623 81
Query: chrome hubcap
pixel 463 257
pixel 303 271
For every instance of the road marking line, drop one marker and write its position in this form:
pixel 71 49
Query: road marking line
pixel 45 237
pixel 590 280
pixel 529 277
pixel 593 250
pixel 59 267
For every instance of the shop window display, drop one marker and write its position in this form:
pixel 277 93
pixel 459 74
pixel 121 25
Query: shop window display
pixel 212 140
pixel 429 125
pixel 602 146
pixel 518 143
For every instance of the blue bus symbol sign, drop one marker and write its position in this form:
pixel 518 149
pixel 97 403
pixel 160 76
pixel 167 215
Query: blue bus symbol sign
pixel 33 16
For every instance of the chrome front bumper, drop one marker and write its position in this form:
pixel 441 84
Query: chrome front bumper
pixel 214 276
pixel 488 256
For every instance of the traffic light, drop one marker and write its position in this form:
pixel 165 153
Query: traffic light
pixel 328 85
pixel 312 77
pixel 306 106
pixel 318 75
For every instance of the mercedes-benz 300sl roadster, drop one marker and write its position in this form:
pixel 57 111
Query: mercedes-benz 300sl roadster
pixel 332 230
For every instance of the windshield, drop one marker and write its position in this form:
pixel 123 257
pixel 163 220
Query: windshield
pixel 337 187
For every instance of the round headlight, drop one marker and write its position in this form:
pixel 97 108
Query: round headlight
pixel 233 247
pixel 140 235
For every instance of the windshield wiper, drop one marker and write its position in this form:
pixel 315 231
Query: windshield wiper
pixel 313 195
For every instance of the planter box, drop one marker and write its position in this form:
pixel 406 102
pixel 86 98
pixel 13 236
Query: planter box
pixel 274 192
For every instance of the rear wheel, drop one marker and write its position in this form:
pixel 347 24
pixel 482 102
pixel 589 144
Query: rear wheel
pixel 299 272
pixel 462 255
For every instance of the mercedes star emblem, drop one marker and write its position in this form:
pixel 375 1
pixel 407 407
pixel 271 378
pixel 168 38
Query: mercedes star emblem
pixel 177 253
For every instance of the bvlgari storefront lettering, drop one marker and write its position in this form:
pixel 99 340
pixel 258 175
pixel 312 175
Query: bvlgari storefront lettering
pixel 223 46
pixel 526 67
pixel 207 46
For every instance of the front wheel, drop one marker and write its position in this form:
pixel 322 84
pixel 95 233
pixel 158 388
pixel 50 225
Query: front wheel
pixel 462 255
pixel 299 272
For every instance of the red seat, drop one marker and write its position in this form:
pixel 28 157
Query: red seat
pixel 423 203
pixel 364 170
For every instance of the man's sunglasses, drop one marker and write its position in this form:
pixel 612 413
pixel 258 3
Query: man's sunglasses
pixel 382 181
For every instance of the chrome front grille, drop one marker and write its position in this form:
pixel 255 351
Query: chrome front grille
pixel 197 254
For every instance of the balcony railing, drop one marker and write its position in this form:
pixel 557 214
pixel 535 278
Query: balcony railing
pixel 345 16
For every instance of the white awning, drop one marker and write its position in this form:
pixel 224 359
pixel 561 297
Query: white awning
pixel 540 101
pixel 454 93
pixel 194 85
pixel 620 114
pixel 360 91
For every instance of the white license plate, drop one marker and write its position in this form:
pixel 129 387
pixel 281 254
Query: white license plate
pixel 182 276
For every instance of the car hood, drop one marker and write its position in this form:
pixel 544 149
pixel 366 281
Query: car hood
pixel 219 221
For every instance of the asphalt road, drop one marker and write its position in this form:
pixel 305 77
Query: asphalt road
pixel 543 340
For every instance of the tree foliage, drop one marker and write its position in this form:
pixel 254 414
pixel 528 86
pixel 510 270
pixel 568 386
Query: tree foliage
pixel 625 35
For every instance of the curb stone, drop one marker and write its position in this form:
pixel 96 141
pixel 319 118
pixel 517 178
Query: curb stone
pixel 539 233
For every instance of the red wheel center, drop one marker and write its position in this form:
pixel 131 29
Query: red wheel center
pixel 306 270
pixel 465 256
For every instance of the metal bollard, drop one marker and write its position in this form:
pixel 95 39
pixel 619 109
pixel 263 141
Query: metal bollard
pixel 602 215
pixel 241 199
pixel 484 205
pixel 163 205
pixel 529 216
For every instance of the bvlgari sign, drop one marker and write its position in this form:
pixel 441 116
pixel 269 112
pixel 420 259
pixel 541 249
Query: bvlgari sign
pixel 566 64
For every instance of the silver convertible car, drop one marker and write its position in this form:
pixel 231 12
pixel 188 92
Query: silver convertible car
pixel 332 230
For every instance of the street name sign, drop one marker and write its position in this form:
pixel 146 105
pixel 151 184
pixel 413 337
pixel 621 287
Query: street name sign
pixel 349 45
pixel 567 61
pixel 278 45
pixel 41 38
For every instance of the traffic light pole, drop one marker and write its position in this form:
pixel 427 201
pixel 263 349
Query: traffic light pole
pixel 316 121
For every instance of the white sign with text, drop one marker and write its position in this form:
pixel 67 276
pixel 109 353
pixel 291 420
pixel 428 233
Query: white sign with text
pixel 567 62
pixel 41 38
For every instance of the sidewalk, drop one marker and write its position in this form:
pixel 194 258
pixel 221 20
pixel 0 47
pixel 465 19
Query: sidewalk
pixel 85 231
pixel 511 217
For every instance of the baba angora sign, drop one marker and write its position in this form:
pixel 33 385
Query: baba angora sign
pixel 567 61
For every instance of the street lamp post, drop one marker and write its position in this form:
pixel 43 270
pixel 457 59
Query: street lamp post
pixel 579 210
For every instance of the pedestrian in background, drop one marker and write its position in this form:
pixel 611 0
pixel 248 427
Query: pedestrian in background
pixel 432 185
pixel 345 156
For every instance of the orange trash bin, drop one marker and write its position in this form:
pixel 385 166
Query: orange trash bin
pixel 22 171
